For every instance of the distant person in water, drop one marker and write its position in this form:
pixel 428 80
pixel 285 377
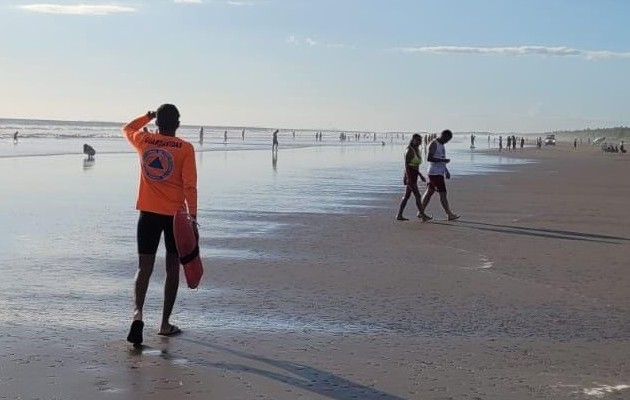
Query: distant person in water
pixel 513 143
pixel 168 182
pixel 243 135
pixel 437 172
pixel 15 136
pixel 274 144
pixel 201 135
pixel 225 137
pixel 410 179
pixel 89 151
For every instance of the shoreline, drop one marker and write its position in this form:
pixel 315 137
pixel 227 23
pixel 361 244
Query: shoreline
pixel 524 297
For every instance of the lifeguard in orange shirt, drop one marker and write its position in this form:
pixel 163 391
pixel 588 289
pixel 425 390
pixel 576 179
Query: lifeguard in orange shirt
pixel 168 182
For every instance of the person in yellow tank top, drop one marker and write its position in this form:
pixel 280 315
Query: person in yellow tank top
pixel 410 179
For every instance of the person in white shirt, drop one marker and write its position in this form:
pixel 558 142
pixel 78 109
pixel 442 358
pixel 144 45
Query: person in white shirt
pixel 437 172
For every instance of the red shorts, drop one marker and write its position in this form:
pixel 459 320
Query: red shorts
pixel 436 182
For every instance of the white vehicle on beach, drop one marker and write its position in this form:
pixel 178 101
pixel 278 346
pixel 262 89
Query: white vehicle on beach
pixel 599 140
pixel 550 140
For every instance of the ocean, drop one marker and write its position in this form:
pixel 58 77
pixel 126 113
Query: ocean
pixel 69 223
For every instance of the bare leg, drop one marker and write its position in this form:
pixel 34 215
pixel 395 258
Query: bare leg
pixel 418 197
pixel 403 204
pixel 426 197
pixel 446 207
pixel 171 284
pixel 145 269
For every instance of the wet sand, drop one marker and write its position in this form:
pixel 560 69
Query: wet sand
pixel 524 298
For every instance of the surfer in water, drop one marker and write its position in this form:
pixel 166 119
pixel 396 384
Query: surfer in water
pixel 168 180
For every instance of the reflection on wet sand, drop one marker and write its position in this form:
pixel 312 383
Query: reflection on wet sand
pixel 274 160
pixel 88 162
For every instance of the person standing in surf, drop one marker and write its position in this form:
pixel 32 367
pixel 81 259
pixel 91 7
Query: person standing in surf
pixel 168 181
pixel 410 179
pixel 437 172
pixel 274 143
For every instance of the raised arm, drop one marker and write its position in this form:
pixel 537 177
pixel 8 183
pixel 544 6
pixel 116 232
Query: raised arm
pixel 133 130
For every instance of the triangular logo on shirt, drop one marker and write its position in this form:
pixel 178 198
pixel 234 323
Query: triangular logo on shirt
pixel 156 163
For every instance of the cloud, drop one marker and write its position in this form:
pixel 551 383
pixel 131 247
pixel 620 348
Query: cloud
pixel 236 3
pixel 312 42
pixel 558 51
pixel 78 9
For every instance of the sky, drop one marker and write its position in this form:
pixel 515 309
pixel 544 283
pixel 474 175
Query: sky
pixel 374 65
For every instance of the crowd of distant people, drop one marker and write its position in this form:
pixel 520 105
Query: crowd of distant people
pixel 613 148
pixel 512 142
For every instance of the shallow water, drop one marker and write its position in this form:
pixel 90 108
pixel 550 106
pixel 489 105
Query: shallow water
pixel 69 224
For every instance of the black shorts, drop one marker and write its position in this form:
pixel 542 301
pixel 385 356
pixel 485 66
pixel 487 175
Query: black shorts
pixel 437 183
pixel 150 227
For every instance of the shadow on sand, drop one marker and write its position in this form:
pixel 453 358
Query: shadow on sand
pixel 538 232
pixel 297 375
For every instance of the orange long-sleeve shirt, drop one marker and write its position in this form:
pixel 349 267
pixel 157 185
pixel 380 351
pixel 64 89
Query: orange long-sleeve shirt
pixel 168 172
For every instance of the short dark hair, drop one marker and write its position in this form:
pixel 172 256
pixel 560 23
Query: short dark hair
pixel 447 134
pixel 167 118
pixel 415 136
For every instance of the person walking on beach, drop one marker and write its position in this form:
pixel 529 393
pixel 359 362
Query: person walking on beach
pixel 437 172
pixel 410 179
pixel 274 144
pixel 168 181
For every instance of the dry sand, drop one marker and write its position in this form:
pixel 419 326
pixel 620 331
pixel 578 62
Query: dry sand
pixel 525 298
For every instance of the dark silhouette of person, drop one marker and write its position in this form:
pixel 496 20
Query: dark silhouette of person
pixel 89 151
pixel 274 144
